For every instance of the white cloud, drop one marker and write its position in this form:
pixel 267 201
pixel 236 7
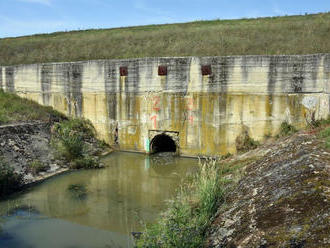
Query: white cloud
pixel 44 2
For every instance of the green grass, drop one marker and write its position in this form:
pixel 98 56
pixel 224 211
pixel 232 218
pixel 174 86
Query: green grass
pixel 189 215
pixel 305 34
pixel 325 134
pixel 16 109
pixel 287 129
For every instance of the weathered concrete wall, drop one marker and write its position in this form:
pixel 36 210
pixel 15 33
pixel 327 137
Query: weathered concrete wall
pixel 254 93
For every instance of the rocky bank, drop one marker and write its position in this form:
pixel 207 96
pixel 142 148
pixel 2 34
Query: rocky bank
pixel 283 199
pixel 22 144
pixel 25 143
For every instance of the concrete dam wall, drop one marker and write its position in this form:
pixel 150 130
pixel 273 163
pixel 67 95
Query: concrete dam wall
pixel 201 103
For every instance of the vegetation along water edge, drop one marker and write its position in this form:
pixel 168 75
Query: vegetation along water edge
pixel 275 195
pixel 37 142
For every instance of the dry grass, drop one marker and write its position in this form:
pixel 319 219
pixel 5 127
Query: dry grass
pixel 276 35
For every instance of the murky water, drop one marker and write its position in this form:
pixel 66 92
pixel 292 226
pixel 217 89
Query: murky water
pixel 93 208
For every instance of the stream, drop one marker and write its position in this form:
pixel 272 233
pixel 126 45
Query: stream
pixel 94 208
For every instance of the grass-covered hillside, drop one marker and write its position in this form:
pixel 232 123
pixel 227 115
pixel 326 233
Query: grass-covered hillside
pixel 305 34
pixel 15 109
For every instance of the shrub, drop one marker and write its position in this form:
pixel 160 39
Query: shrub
pixel 81 126
pixel 287 129
pixel 69 137
pixel 73 144
pixel 10 181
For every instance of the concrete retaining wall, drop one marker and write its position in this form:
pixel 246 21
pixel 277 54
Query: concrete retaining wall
pixel 254 93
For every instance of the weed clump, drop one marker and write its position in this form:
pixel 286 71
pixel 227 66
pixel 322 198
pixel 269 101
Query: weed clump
pixel 10 181
pixel 287 129
pixel 245 143
pixel 69 138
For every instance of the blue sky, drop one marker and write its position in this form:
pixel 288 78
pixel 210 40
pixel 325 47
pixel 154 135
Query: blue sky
pixel 24 17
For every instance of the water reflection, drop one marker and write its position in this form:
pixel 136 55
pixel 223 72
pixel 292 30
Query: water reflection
pixel 24 229
pixel 119 199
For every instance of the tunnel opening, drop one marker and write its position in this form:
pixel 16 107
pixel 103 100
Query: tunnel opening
pixel 162 143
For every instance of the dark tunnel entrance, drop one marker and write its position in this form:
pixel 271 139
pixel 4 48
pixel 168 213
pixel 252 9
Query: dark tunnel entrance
pixel 162 143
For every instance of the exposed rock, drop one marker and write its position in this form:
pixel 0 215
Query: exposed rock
pixel 21 144
pixel 283 200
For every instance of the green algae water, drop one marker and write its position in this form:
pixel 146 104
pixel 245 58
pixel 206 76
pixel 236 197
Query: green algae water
pixel 93 208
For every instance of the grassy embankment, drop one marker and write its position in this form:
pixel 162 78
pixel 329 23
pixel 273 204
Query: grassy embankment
pixel 71 139
pixel 186 221
pixel 305 34
pixel 16 109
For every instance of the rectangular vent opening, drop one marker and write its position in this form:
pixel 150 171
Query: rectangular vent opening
pixel 162 70
pixel 206 70
pixel 123 71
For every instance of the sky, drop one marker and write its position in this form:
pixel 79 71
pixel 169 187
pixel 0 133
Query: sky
pixel 25 17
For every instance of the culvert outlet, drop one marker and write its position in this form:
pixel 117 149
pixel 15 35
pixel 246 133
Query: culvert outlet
pixel 162 143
